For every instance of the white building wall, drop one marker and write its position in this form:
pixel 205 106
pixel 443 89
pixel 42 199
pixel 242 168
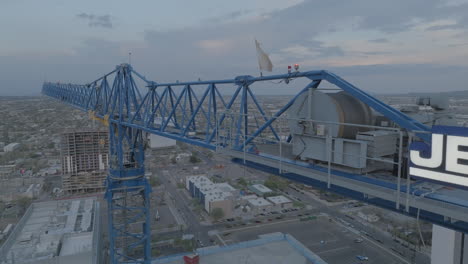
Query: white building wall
pixel 102 166
pixel 11 147
pixel 446 246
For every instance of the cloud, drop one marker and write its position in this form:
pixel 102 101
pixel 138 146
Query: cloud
pixel 229 17
pixel 225 48
pixel 371 53
pixel 379 40
pixel 104 21
pixel 444 27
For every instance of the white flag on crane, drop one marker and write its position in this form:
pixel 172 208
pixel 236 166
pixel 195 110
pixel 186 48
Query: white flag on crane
pixel 264 62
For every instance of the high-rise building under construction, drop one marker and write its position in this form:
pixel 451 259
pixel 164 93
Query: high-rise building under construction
pixel 85 159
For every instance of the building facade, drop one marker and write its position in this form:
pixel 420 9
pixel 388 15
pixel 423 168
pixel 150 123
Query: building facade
pixel 85 158
pixel 211 195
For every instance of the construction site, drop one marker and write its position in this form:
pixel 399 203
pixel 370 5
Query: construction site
pixel 84 156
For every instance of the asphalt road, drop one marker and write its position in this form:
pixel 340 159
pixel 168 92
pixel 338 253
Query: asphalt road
pixel 375 236
pixel 182 206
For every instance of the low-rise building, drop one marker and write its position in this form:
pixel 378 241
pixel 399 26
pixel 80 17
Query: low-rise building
pixel 11 147
pixel 260 189
pixel 259 205
pixel 223 200
pixel 65 231
pixel 280 202
pixel 211 195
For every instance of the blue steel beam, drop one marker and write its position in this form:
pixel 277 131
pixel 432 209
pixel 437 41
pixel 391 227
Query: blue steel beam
pixel 129 113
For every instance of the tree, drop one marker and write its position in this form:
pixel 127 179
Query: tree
pixel 194 157
pixel 242 181
pixel 23 203
pixel 217 213
pixel 154 181
pixel 276 183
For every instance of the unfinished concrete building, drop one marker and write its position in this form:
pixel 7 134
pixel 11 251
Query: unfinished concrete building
pixel 85 157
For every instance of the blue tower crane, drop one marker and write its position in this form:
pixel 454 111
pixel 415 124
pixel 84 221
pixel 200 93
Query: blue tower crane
pixel 180 111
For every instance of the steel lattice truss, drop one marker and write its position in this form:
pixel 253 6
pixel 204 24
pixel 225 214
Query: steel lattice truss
pixel 178 110
pixel 197 113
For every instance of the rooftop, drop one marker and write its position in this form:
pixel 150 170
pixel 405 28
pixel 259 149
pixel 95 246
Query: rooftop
pixel 217 196
pixel 280 199
pixel 51 229
pixel 258 201
pixel 270 248
pixel 261 188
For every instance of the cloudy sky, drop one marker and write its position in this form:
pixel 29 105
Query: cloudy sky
pixel 381 46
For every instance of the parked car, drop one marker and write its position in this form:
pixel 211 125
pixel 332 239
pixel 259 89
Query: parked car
pixel 358 240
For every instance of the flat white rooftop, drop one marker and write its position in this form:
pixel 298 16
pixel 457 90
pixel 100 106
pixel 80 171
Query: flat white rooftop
pixel 261 188
pixel 259 202
pixel 280 199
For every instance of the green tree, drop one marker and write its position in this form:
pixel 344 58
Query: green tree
pixel 217 213
pixel 23 203
pixel 154 181
pixel 194 158
pixel 242 181
pixel 276 183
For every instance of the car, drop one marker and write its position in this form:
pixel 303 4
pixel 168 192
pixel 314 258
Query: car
pixel 269 219
pixel 361 258
pixel 200 243
pixel 258 221
pixel 358 240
